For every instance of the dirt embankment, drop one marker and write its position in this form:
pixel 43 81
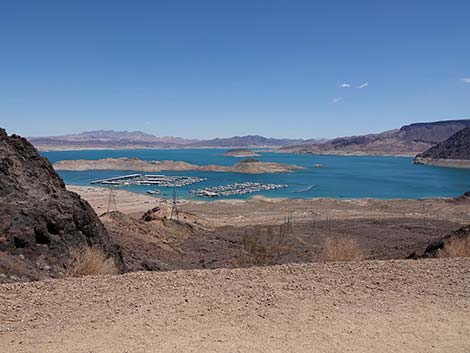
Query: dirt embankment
pixel 248 166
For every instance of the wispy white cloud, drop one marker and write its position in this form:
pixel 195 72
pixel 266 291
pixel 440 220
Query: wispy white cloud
pixel 364 85
pixel 345 85
pixel 466 79
pixel 336 100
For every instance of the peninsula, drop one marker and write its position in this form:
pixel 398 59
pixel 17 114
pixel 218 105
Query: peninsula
pixel 247 166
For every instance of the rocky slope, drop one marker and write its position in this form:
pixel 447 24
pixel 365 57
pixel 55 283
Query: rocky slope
pixel 248 166
pixel 408 140
pixel 453 152
pixel 40 221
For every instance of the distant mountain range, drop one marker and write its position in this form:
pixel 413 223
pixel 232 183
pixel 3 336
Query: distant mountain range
pixel 110 139
pixel 107 139
pixel 408 140
pixel 246 141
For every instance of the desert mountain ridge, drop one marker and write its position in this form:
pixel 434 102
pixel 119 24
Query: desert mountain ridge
pixel 409 140
pixel 453 152
pixel 110 139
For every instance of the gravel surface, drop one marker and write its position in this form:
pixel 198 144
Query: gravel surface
pixel 372 306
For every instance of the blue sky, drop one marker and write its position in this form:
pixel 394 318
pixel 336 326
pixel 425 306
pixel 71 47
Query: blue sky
pixel 220 68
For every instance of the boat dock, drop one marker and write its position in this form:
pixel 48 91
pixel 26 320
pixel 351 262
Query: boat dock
pixel 150 179
pixel 235 189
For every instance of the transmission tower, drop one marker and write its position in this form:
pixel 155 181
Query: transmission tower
pixel 112 205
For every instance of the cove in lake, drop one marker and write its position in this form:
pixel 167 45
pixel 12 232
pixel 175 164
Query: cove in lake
pixel 340 177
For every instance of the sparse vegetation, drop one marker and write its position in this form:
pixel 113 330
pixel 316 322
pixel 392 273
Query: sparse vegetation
pixel 456 248
pixel 265 248
pixel 89 261
pixel 341 250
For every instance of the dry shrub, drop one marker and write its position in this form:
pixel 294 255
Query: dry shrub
pixel 90 261
pixel 341 250
pixel 262 248
pixel 456 248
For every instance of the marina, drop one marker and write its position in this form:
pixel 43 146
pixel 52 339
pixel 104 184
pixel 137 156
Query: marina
pixel 235 189
pixel 147 179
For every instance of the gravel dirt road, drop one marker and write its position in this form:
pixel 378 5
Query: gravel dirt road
pixel 371 306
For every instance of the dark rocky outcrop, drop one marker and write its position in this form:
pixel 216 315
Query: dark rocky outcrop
pixel 464 197
pixel 455 147
pixel 41 221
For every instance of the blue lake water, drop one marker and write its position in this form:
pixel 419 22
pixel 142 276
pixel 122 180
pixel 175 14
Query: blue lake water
pixel 341 176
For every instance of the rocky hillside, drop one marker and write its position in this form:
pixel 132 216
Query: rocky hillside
pixel 433 132
pixel 408 140
pixel 455 147
pixel 40 221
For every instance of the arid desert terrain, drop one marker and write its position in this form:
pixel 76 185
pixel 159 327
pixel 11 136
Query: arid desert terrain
pixel 215 294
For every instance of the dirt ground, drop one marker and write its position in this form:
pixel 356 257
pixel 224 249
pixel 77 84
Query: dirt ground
pixel 215 296
pixel 373 306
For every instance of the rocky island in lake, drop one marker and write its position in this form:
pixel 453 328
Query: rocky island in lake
pixel 247 166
